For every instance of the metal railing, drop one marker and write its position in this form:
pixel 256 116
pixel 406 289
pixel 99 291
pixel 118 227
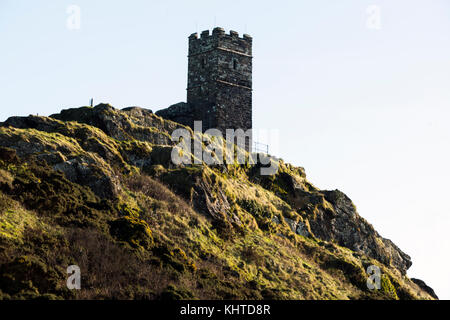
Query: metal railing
pixel 259 147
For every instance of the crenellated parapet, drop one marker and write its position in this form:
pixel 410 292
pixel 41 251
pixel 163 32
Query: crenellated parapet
pixel 219 90
pixel 219 39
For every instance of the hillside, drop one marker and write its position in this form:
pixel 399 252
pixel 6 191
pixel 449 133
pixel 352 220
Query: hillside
pixel 96 187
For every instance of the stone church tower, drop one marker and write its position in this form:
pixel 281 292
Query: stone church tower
pixel 219 90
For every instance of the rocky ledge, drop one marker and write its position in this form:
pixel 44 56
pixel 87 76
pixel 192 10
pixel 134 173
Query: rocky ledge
pixel 96 187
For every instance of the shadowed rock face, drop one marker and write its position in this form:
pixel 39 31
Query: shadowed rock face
pixel 332 216
pixel 350 230
pixel 425 287
pixel 130 124
pixel 181 112
pixel 108 158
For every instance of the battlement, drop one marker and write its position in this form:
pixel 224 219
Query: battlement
pixel 218 39
pixel 219 32
pixel 219 90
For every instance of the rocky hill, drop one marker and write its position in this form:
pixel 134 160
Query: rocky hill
pixel 96 187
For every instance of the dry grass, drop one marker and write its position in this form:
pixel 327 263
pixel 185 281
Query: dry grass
pixel 158 191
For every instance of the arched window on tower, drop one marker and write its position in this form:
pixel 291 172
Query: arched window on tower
pixel 203 63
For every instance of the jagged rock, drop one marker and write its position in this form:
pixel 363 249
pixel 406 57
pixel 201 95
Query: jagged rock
pixel 64 153
pixel 213 201
pixel 291 223
pixel 332 216
pixel 297 227
pixel 105 156
pixel 180 112
pixel 350 230
pixel 276 220
pixel 52 158
pixel 83 171
pixel 425 287
pixel 302 229
pixel 137 109
pixel 130 124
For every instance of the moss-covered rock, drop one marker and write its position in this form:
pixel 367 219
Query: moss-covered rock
pixel 132 230
pixel 96 187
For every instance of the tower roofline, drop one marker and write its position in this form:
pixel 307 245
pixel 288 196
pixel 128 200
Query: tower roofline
pixel 219 32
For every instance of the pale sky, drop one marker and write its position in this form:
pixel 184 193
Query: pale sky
pixel 363 106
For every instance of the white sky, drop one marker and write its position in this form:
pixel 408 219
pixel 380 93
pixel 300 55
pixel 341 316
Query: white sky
pixel 365 111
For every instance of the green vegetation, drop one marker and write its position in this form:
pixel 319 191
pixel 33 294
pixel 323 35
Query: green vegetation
pixel 103 194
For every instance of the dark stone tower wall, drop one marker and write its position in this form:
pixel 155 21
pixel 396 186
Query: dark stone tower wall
pixel 220 79
pixel 219 91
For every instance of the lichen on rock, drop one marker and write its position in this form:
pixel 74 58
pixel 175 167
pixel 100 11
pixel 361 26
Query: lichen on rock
pixel 96 187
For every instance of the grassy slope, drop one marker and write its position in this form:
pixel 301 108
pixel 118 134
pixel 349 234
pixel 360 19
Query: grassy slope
pixel 150 235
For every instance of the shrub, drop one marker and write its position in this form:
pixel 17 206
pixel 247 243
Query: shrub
pixel 251 255
pixel 174 293
pixel 28 274
pixel 111 271
pixel 132 230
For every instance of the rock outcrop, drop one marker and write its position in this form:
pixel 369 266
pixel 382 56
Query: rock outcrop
pixel 90 182
pixel 425 287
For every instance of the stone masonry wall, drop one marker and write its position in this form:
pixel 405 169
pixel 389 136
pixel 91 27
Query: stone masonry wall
pixel 219 91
